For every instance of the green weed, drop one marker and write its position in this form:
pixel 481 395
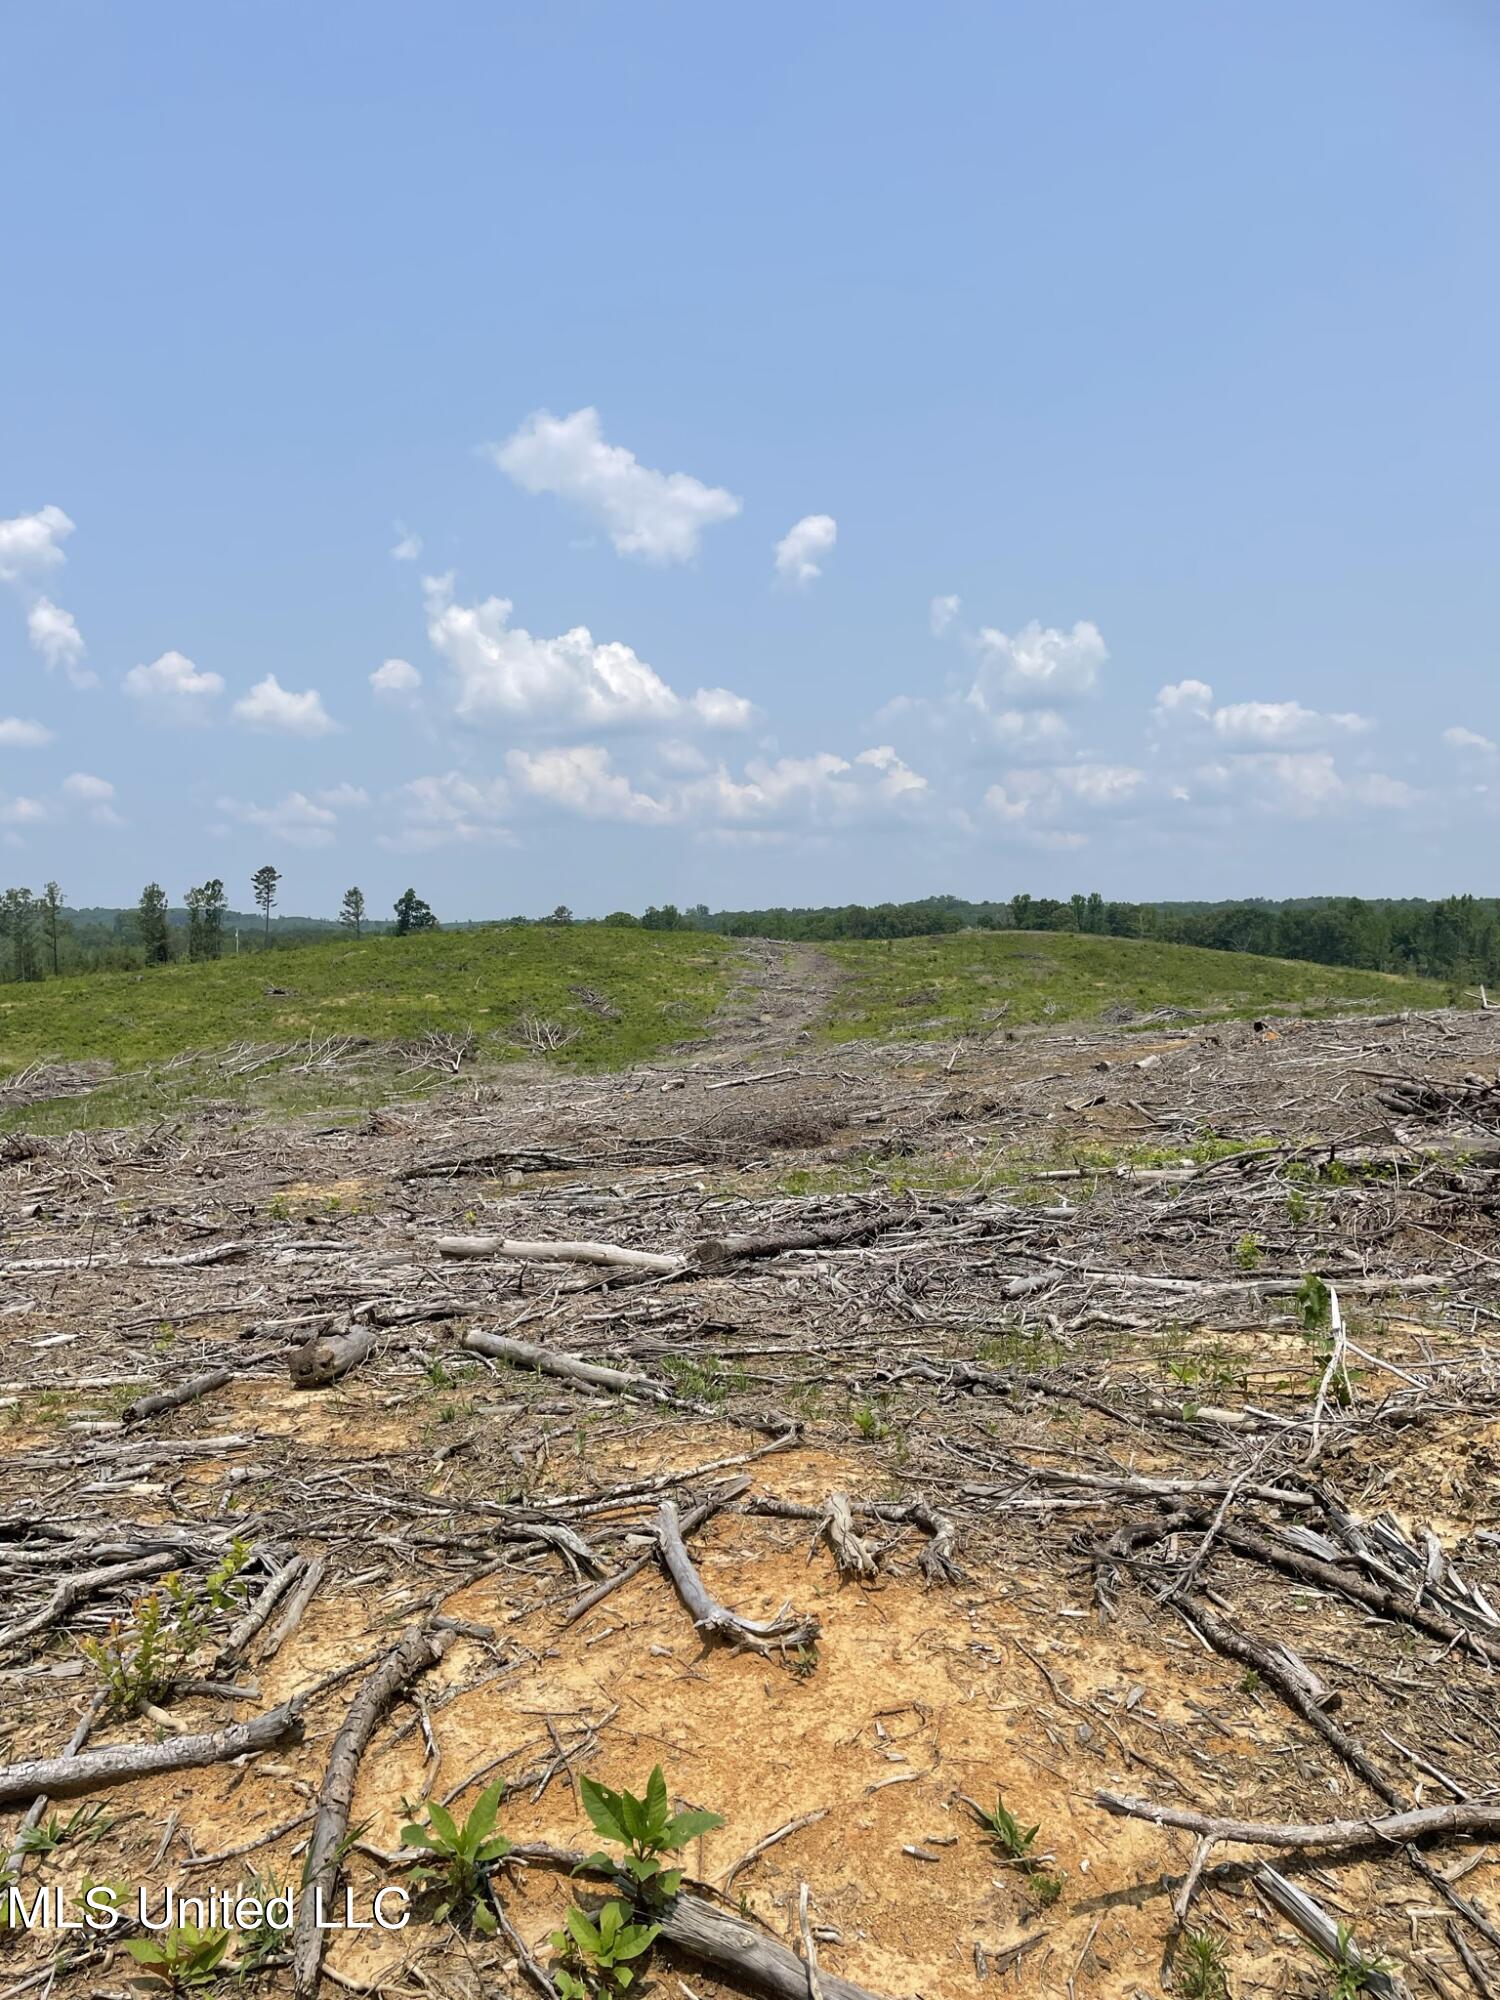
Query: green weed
pixel 647 1829
pixel 462 1856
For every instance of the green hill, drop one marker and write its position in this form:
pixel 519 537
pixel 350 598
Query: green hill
pixel 931 986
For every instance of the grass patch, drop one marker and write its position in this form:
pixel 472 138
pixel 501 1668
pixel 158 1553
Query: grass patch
pixel 1010 979
pixel 618 996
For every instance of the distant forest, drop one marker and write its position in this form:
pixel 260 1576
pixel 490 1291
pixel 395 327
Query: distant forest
pixel 1456 939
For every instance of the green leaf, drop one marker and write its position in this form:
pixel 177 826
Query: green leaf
pixel 441 1821
pixel 633 1818
pixel 668 1882
pixel 635 1939
pixel 658 1809
pixel 582 1931
pixel 598 1859
pixel 494 1849
pixel 481 1821
pixel 609 1923
pixel 603 1808
pixel 417 1836
pixel 687 1826
pixel 485 1920
pixel 146 1951
pixel 623 1976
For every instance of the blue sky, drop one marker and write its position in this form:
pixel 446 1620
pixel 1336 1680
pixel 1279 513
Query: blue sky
pixel 604 455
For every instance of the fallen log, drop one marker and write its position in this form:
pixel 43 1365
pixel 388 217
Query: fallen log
pixel 1385 1829
pixel 307 1587
pixel 247 1627
pixel 416 1651
pixel 586 1374
pixel 329 1356
pixel 74 1589
pixel 691 1522
pixel 558 1253
pixel 117 1763
pixel 713 1251
pixel 173 1399
pixel 715 1620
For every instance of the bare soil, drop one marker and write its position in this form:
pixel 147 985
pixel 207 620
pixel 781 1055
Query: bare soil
pixel 1082 1270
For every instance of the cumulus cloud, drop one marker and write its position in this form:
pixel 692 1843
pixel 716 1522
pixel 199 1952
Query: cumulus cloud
pixel 804 793
pixel 502 673
pixel 659 516
pixel 173 688
pixel 449 808
pixel 21 811
pixel 30 543
pixel 804 547
pixel 942 612
pixel 55 635
pixel 395 679
pixel 582 780
pixel 17 734
pixel 297 819
pixel 1253 725
pixel 1039 663
pixel 407 546
pixel 95 795
pixel 1469 739
pixel 1303 783
pixel 1035 793
pixel 272 707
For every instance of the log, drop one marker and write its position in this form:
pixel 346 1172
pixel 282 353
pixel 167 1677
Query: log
pixel 691 1522
pixel 716 1937
pixel 307 1586
pixel 850 1553
pixel 713 1251
pixel 1385 1829
pixel 74 1589
pixel 715 1620
pixel 329 1356
pixel 587 1374
pixel 558 1253
pixel 173 1399
pixel 415 1651
pixel 118 1763
pixel 247 1627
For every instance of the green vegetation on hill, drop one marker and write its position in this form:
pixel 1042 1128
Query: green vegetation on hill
pixel 933 986
pixel 618 996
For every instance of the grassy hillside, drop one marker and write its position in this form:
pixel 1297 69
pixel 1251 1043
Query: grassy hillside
pixel 937 985
pixel 623 995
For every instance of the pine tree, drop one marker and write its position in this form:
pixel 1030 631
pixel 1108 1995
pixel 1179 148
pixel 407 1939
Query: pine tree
pixel 52 902
pixel 194 901
pixel 214 903
pixel 265 882
pixel 412 914
pixel 151 923
pixel 18 910
pixel 352 911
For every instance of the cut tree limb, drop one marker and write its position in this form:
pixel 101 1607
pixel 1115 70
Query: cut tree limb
pixel 74 1589
pixel 587 1374
pixel 116 1763
pixel 415 1651
pixel 558 1253
pixel 173 1399
pixel 715 1620
pixel 329 1356
pixel 1386 1829
pixel 242 1633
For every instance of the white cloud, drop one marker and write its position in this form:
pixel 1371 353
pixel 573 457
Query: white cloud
pixel 658 515
pixel 582 780
pixel 407 546
pixel 16 734
pixel 343 796
pixel 942 612
pixel 1303 783
pixel 440 810
pixel 394 679
pixel 22 812
pixel 32 542
pixel 803 548
pixel 271 706
pixel 296 819
pixel 1040 663
pixel 174 688
pixel 1253 725
pixel 55 635
pixel 82 788
pixel 503 672
pixel 1469 739
pixel 1040 792
pixel 897 780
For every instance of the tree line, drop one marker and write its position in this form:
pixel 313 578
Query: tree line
pixel 40 937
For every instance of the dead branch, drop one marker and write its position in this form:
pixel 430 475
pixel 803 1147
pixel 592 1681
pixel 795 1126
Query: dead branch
pixel 117 1763
pixel 1387 1829
pixel 416 1651
pixel 713 1619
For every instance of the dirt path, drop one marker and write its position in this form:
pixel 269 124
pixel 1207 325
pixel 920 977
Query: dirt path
pixel 784 992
